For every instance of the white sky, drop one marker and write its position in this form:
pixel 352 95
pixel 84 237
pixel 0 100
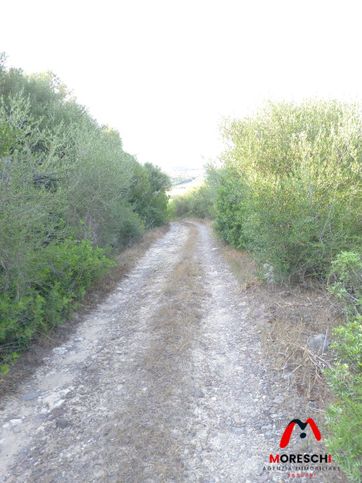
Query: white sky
pixel 166 72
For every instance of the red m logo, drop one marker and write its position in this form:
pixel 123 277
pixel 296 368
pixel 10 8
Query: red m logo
pixel 289 429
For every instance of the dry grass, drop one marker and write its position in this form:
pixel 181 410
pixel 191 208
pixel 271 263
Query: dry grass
pixel 167 364
pixel 243 267
pixel 176 320
pixel 294 315
pixel 287 317
pixel 180 306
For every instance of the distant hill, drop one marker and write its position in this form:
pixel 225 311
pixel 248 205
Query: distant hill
pixel 183 179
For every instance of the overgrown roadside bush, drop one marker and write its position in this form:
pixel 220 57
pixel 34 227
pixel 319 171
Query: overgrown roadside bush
pixel 60 278
pixel 231 206
pixel 291 186
pixel 70 197
pixel 344 416
pixel 345 281
pixel 290 192
pixel 199 202
pixel 196 203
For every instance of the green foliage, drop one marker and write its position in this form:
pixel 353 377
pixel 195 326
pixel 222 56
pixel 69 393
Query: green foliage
pixel 231 207
pixel 69 193
pixel 290 191
pixel 344 417
pixel 130 228
pixel 197 202
pixel 148 195
pixel 291 186
pixel 61 274
pixel 345 281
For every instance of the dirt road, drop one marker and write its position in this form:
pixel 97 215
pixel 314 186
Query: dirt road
pixel 164 381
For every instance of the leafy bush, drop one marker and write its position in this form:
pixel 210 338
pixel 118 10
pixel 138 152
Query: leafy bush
pixel 130 228
pixel 290 192
pixel 344 417
pixel 69 193
pixel 345 281
pixel 198 202
pixel 61 277
pixel 231 214
pixel 148 195
pixel 290 186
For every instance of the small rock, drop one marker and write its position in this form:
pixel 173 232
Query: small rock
pixel 237 429
pixel 60 350
pixel 12 423
pixel 29 396
pixel 198 393
pixel 318 343
pixel 268 273
pixel 62 423
pixel 15 422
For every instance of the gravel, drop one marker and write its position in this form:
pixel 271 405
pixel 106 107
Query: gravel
pixel 125 401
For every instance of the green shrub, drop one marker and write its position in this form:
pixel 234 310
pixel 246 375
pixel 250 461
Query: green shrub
pixel 67 187
pixel 72 265
pixel 290 186
pixel 180 207
pixel 231 208
pixel 130 228
pixel 290 192
pixel 345 281
pixel 198 202
pixel 61 277
pixel 148 196
pixel 344 416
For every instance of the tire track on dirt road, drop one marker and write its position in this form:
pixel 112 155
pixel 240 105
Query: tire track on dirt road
pixel 162 382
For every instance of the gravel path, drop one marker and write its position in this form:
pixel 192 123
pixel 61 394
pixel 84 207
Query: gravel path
pixel 162 382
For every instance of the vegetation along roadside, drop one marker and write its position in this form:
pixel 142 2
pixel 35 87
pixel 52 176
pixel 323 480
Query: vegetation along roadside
pixel 70 199
pixel 288 190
